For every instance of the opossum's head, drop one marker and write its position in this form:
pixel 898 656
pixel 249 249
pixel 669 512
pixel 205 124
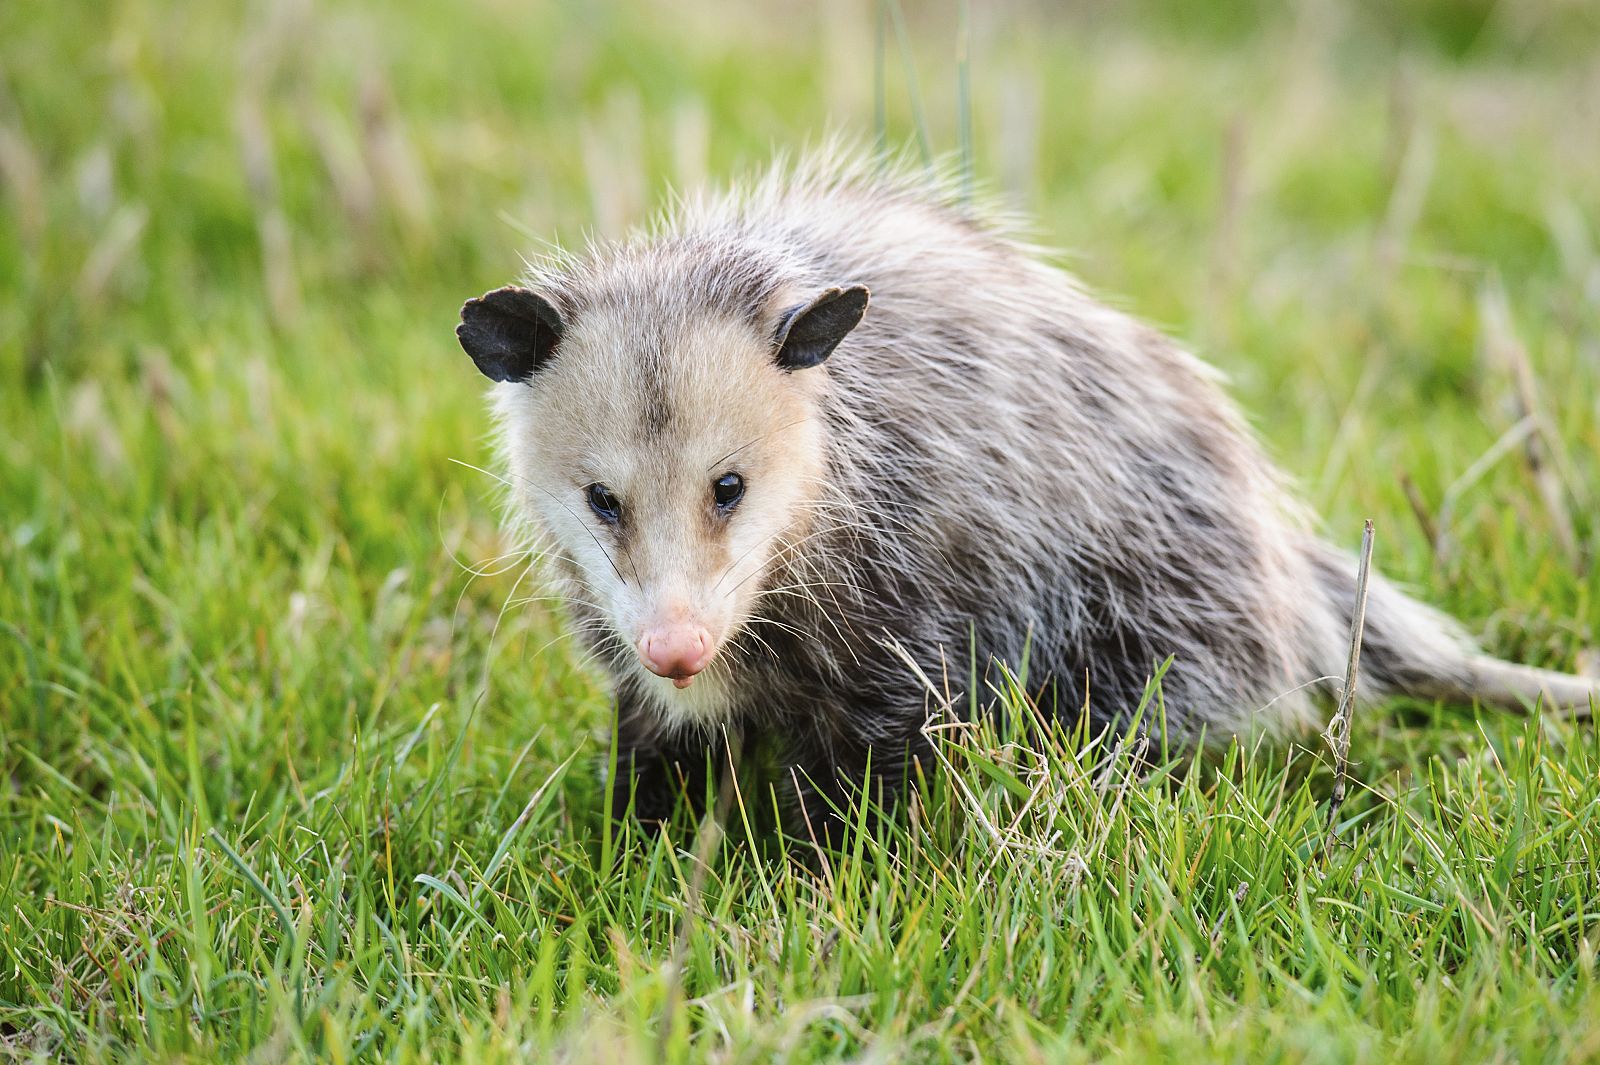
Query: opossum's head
pixel 670 456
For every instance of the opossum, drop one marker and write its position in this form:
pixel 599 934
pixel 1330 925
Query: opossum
pixel 811 437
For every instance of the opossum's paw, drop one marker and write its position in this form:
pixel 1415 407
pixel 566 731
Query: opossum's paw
pixel 652 789
pixel 827 807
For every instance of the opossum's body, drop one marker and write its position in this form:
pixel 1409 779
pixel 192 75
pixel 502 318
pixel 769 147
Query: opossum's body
pixel 990 463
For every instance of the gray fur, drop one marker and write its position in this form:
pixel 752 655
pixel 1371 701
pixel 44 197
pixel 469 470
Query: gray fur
pixel 1002 458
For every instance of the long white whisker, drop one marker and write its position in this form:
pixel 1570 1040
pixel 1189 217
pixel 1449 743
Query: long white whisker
pixel 562 504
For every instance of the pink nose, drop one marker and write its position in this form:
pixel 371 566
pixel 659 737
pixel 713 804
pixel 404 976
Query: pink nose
pixel 676 651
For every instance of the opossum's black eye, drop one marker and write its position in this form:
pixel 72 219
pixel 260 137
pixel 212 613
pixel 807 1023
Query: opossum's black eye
pixel 604 503
pixel 728 490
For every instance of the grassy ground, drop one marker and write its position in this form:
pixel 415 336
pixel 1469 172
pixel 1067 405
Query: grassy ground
pixel 283 779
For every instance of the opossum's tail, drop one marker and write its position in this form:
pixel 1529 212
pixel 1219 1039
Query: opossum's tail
pixel 1411 649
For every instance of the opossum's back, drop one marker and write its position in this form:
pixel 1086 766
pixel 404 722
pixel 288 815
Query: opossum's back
pixel 1070 479
pixel 968 318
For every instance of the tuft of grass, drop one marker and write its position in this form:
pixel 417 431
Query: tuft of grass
pixel 295 768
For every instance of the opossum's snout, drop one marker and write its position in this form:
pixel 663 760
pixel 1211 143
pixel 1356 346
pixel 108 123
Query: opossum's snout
pixel 677 649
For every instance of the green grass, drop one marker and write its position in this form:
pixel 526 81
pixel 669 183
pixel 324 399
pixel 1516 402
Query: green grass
pixel 283 779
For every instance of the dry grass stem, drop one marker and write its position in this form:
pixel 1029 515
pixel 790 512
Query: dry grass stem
pixel 708 839
pixel 1338 733
pixel 1420 510
pixel 1503 348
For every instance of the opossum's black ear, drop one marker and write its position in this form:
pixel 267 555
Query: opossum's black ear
pixel 808 333
pixel 509 332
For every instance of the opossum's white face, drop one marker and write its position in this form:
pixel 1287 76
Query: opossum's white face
pixel 670 466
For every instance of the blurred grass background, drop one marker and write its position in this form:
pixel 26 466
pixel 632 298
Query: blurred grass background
pixel 237 539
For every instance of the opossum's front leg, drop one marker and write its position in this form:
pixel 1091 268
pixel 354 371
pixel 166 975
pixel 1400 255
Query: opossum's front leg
pixel 830 784
pixel 657 768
